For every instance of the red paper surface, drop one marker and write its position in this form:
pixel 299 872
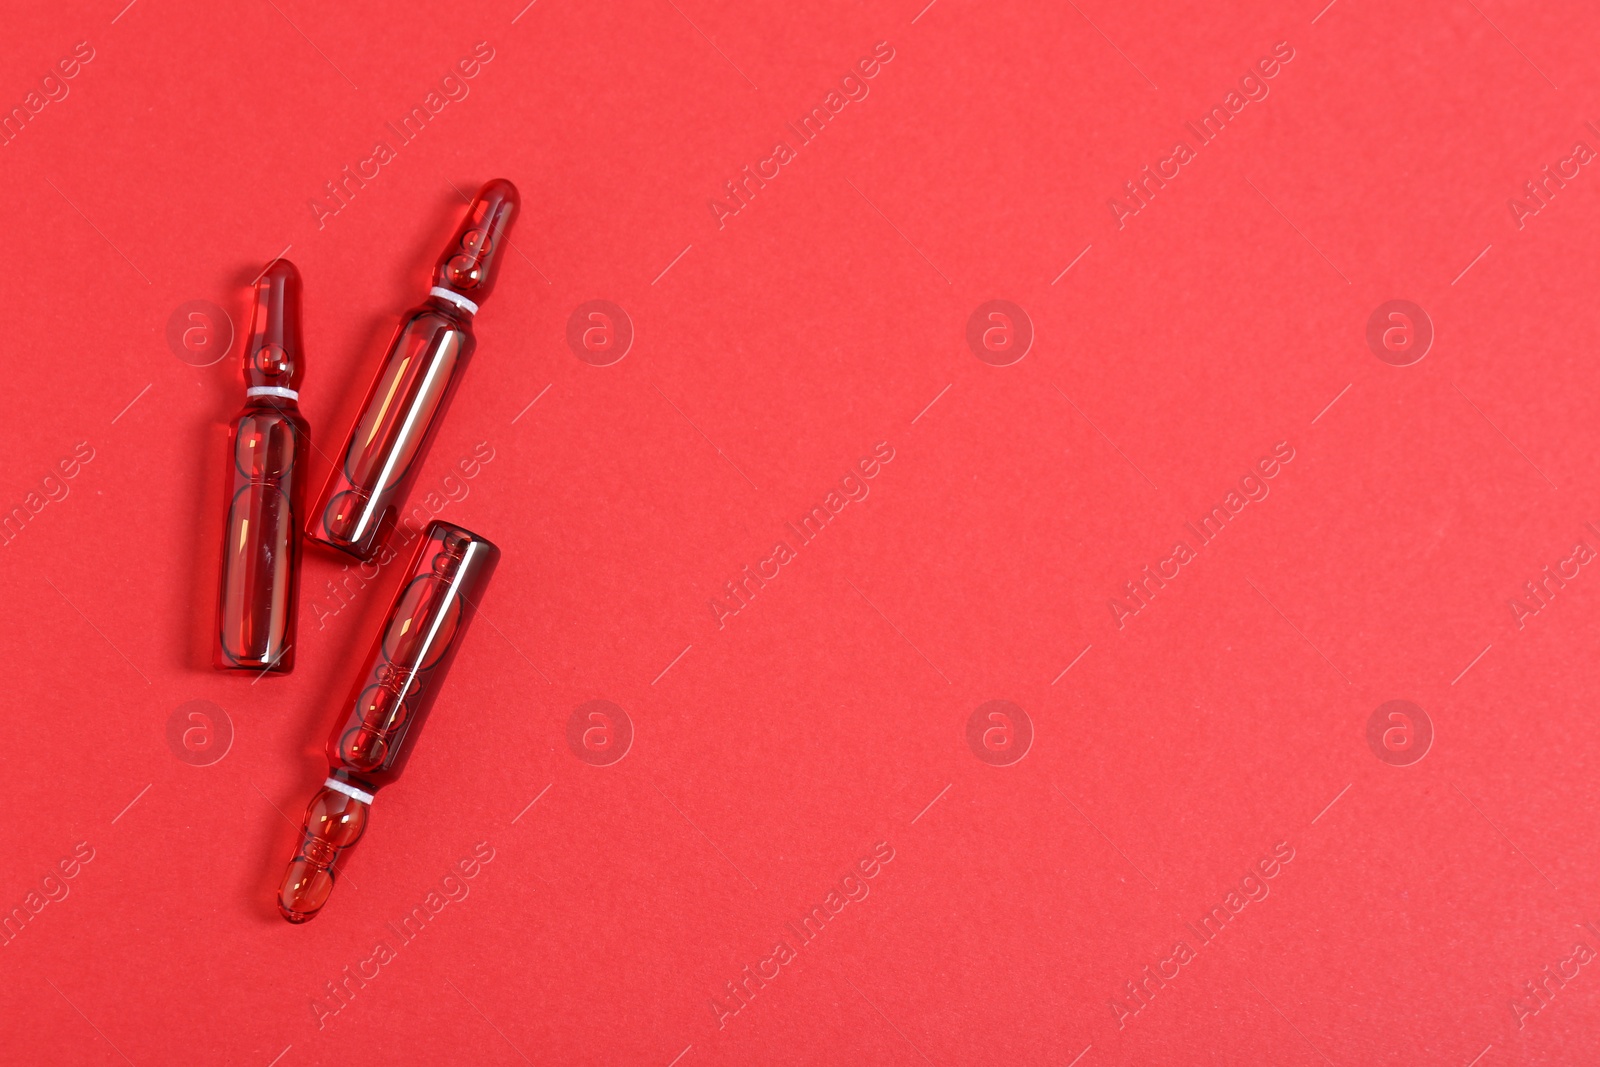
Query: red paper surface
pixel 1174 755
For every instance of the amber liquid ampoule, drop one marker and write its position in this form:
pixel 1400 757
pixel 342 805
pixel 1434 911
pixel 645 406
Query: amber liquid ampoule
pixel 388 704
pixel 258 603
pixel 362 500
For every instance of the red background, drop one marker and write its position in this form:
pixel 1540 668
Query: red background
pixel 823 318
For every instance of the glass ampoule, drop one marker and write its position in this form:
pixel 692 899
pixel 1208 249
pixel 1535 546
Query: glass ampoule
pixel 258 603
pixel 418 376
pixel 388 705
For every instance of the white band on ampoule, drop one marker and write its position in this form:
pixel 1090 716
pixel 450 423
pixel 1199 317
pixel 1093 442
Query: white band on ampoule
pixel 455 298
pixel 349 790
pixel 272 390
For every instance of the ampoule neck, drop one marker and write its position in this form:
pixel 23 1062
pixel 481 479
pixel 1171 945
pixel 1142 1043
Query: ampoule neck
pixel 354 785
pixel 271 397
pixel 461 308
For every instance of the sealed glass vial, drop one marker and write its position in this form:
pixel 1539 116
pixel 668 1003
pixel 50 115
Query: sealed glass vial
pixel 258 603
pixel 379 722
pixel 405 405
